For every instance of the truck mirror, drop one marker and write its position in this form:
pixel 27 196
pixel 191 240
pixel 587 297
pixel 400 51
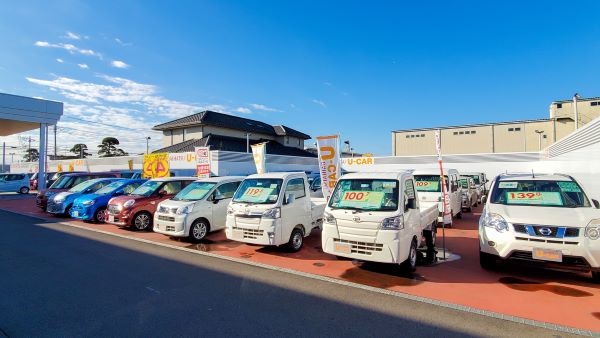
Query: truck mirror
pixel 290 198
pixel 596 204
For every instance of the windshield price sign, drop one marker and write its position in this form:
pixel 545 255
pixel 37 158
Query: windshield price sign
pixel 362 199
pixel 534 198
pixel 256 194
pixel 428 185
pixel 156 165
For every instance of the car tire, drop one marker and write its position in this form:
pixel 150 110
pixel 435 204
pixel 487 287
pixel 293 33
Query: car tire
pixel 142 221
pixel 596 277
pixel 24 190
pixel 470 208
pixel 296 240
pixel 68 211
pixel 430 241
pixel 459 215
pixel 100 215
pixel 199 230
pixel 410 264
pixel 487 261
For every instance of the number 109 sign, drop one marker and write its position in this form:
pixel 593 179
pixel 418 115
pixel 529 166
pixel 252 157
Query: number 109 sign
pixel 156 165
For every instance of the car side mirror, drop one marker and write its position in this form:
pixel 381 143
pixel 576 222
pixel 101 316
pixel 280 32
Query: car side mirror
pixel 596 203
pixel 162 193
pixel 290 198
pixel 409 203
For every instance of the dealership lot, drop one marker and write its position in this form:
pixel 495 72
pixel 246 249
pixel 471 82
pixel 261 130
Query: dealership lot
pixel 561 298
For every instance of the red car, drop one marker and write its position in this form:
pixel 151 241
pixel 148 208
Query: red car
pixel 137 209
pixel 66 182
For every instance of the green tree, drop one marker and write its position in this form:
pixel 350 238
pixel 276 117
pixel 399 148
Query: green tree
pixel 108 148
pixel 80 150
pixel 31 155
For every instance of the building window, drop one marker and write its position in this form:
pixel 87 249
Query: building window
pixel 558 105
pixel 407 136
pixel 455 133
pixel 468 132
pixel 473 132
pixel 545 136
pixel 595 103
pixel 422 135
pixel 511 129
pixel 461 133
pixel 517 129
pixel 412 136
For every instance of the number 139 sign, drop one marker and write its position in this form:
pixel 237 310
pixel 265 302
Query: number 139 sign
pixel 156 165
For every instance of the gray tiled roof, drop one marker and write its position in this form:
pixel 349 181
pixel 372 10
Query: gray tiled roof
pixel 212 118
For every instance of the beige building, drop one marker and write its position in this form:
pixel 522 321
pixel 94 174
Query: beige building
pixel 501 137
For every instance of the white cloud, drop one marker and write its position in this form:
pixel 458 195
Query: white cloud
pixel 124 44
pixel 262 107
pixel 59 60
pixel 119 64
pixel 72 36
pixel 243 110
pixel 83 66
pixel 328 84
pixel 319 102
pixel 68 47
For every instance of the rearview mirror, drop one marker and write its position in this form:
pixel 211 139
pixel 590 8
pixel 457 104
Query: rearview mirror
pixel 596 204
pixel 290 198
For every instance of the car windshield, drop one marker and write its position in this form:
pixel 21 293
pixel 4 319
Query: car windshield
pixel 82 186
pixel 545 193
pixel 365 194
pixel 108 189
pixel 3 177
pixel 63 182
pixel 476 179
pixel 194 191
pixel 258 190
pixel 464 182
pixel 147 188
pixel 429 183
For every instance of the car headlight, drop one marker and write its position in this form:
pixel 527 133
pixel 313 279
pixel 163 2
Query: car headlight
pixel 59 199
pixel 329 218
pixel 88 203
pixel 495 221
pixel 230 210
pixel 592 230
pixel 185 210
pixel 128 204
pixel 272 213
pixel 393 223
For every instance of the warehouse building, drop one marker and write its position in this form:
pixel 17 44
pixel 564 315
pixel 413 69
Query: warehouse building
pixel 499 137
pixel 229 133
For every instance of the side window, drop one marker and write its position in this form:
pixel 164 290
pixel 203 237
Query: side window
pixel 172 187
pixel 128 189
pixel 227 190
pixel 80 179
pixel 296 186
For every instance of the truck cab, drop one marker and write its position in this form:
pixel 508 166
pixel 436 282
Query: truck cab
pixel 274 209
pixel 547 220
pixel 378 217
pixel 198 209
pixel 429 185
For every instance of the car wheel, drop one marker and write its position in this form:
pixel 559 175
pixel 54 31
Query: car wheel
pixel 68 211
pixel 430 240
pixel 198 230
pixel 459 215
pixel 142 221
pixel 24 190
pixel 100 215
pixel 296 240
pixel 470 208
pixel 410 264
pixel 596 277
pixel 487 261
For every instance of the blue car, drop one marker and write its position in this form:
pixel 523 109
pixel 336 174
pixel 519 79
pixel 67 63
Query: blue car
pixel 61 203
pixel 92 207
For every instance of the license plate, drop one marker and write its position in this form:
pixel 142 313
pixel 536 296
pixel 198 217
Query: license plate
pixel 238 234
pixel 547 255
pixel 75 213
pixel 111 218
pixel 343 248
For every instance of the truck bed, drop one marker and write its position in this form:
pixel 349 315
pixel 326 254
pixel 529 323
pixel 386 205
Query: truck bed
pixel 317 207
pixel 429 214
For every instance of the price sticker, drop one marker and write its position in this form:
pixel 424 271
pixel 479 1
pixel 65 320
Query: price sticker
pixel 362 199
pixel 534 198
pixel 256 194
pixel 428 185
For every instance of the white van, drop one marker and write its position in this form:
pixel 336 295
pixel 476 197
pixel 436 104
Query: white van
pixel 274 209
pixel 197 209
pixel 545 219
pixel 480 181
pixel 470 193
pixel 378 217
pixel 429 185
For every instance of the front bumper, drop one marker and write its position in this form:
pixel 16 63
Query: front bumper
pixel 257 230
pixel 56 208
pixel 579 253
pixel 120 219
pixel 82 212
pixel 171 225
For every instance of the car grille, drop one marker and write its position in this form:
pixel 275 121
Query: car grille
pixel 566 260
pixel 166 218
pixel 53 207
pixel 113 209
pixel 363 248
pixel 556 232
pixel 250 233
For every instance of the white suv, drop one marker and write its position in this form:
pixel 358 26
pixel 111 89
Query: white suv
pixel 545 219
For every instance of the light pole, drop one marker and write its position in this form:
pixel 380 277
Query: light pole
pixel 575 112
pixel 539 132
pixel 248 142
pixel 12 158
pixel 147 144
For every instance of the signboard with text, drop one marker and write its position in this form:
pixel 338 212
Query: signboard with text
pixel 156 165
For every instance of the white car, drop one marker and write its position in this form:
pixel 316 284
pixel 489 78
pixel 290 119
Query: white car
pixel 378 217
pixel 429 185
pixel 274 209
pixel 545 219
pixel 14 183
pixel 480 181
pixel 198 209
pixel 470 193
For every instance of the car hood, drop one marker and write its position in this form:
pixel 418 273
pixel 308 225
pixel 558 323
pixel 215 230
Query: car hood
pixel 123 199
pixel 91 197
pixel 576 217
pixel 175 204
pixel 50 191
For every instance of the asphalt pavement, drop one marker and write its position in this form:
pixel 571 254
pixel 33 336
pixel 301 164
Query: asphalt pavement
pixel 57 280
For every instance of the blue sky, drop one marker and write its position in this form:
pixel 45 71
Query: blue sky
pixel 360 69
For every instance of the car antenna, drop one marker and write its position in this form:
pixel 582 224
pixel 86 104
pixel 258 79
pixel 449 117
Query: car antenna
pixel 532 174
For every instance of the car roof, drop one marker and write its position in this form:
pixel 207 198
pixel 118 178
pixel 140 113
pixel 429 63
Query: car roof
pixel 175 178
pixel 534 177
pixel 392 175
pixel 219 179
pixel 281 175
pixel 434 171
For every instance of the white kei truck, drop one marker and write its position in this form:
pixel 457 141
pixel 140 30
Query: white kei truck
pixel 378 217
pixel 429 185
pixel 200 208
pixel 542 219
pixel 274 209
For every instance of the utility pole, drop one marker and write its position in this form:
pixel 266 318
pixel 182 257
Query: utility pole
pixel 55 141
pixel 3 152
pixel 29 143
pixel 147 144
pixel 576 113
pixel 248 142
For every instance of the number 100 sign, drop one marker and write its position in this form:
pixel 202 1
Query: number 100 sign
pixel 156 165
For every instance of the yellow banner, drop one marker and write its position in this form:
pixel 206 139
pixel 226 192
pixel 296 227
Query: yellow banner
pixel 59 168
pixel 71 167
pixel 156 165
